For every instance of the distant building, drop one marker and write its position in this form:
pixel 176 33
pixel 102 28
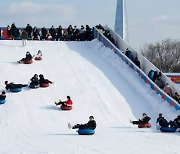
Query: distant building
pixel 174 77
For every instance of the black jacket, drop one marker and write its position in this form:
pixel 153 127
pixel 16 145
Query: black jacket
pixel 177 120
pixel 34 81
pixel 145 120
pixel 43 80
pixel 2 97
pixel 28 57
pixel 13 86
pixel 91 124
pixel 162 122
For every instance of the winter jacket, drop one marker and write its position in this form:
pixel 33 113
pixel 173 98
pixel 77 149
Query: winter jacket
pixel 177 120
pixel 177 97
pixel 28 57
pixel 162 122
pixel 167 89
pixel 34 81
pixel 2 97
pixel 24 35
pixel 69 102
pixel 13 86
pixel 160 83
pixel 43 80
pixel 91 124
pixel 145 120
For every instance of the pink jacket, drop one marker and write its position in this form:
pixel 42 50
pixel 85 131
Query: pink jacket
pixel 168 90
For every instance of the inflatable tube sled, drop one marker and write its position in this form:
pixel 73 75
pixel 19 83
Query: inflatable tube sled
pixel 64 107
pixel 33 86
pixel 2 101
pixel 167 129
pixel 16 90
pixel 86 131
pixel 144 125
pixel 38 58
pixel 28 61
pixel 44 85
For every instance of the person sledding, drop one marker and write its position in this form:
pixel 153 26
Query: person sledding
pixel 39 55
pixel 28 57
pixel 161 121
pixel 91 124
pixel 67 103
pixel 34 81
pixel 44 82
pixel 144 120
pixel 11 85
pixel 3 96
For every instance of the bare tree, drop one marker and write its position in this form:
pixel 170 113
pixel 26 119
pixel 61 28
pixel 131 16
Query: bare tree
pixel 164 55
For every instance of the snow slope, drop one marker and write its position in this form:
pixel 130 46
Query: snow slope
pixel 99 83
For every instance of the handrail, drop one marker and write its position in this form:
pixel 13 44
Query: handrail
pixel 159 91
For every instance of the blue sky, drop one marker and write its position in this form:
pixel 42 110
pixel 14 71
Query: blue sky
pixel 148 21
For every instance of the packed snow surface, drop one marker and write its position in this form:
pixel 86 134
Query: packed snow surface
pixel 99 83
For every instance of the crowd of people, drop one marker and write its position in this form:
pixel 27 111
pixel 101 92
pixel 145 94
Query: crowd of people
pixel 72 33
pixel 81 34
pixel 106 33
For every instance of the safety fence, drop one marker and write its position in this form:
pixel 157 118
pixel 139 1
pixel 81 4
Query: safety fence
pixel 159 91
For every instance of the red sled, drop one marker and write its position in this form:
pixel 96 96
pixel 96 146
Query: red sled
pixel 44 85
pixel 38 58
pixel 28 61
pixel 144 125
pixel 64 107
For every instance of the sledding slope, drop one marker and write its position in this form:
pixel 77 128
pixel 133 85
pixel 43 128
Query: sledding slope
pixel 99 83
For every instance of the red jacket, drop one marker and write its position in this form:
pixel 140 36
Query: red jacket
pixel 69 102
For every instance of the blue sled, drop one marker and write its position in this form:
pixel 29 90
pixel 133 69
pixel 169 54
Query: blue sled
pixel 2 101
pixel 86 131
pixel 16 90
pixel 167 129
pixel 33 86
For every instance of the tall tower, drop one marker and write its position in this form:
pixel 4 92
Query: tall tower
pixel 121 26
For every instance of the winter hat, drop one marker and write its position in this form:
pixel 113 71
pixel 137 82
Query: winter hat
pixel 160 114
pixel 91 117
pixel 144 114
pixel 68 97
pixel 3 92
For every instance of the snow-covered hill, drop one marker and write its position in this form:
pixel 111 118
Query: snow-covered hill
pixel 99 83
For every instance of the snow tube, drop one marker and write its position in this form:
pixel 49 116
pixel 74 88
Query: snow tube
pixel 38 58
pixel 144 125
pixel 28 61
pixel 64 107
pixel 86 131
pixel 16 90
pixel 2 101
pixel 167 129
pixel 33 86
pixel 44 85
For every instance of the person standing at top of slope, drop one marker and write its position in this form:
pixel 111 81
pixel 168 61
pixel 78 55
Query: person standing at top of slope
pixel 24 37
pixel 68 102
pixel 144 120
pixel 90 125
